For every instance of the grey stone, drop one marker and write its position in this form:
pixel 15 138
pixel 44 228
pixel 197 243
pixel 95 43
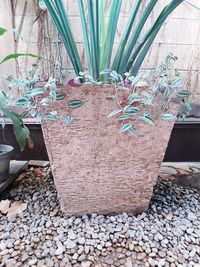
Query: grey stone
pixel 32 262
pixel 60 249
pixel 70 244
pixel 151 262
pixel 162 254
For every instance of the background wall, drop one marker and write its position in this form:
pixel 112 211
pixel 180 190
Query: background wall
pixel 35 34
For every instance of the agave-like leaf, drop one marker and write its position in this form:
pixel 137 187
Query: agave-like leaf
pixel 60 18
pixel 93 41
pixel 85 36
pixel 125 35
pixel 140 52
pixel 107 47
pixel 135 36
pixel 102 28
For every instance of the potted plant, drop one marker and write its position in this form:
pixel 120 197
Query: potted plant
pixel 95 168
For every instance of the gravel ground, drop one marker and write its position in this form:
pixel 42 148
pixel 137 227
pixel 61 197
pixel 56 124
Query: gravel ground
pixel 167 235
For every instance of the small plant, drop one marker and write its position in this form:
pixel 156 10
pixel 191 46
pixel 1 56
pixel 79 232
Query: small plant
pixel 136 96
pixel 20 130
pixel 36 94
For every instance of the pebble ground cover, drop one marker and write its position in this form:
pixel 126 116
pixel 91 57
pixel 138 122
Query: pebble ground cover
pixel 167 235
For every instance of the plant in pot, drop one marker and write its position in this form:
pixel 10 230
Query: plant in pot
pixel 95 167
pixel 21 132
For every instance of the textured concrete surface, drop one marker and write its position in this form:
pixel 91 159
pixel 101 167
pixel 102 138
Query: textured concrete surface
pixel 96 169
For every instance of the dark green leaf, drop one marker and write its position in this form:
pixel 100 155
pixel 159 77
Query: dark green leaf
pixel 60 96
pixel 22 102
pixel 75 104
pixel 183 93
pixel 165 107
pixel 2 31
pixel 21 132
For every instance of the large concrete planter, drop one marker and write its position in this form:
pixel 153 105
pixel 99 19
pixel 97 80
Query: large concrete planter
pixel 96 169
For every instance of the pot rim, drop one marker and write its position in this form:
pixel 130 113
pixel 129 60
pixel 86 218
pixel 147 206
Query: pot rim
pixel 5 150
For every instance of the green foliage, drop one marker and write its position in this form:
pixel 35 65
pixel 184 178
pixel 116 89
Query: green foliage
pixel 75 104
pixel 68 119
pixel 99 36
pixel 142 92
pixel 167 116
pixel 183 93
pixel 37 94
pixel 2 31
pixel 21 132
pixel 15 56
pixel 125 127
pixel 115 112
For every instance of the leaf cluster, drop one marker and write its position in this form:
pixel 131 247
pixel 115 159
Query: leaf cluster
pixel 136 96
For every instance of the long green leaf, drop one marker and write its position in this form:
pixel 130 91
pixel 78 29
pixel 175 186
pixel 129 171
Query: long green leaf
pixel 151 33
pixel 125 35
pixel 97 29
pixel 70 38
pixel 135 35
pixel 110 34
pixel 85 36
pixel 93 41
pixel 102 27
pixel 60 18
pixel 21 132
pixel 14 56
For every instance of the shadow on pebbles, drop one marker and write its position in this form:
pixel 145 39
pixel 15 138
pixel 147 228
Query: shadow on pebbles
pixel 39 235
